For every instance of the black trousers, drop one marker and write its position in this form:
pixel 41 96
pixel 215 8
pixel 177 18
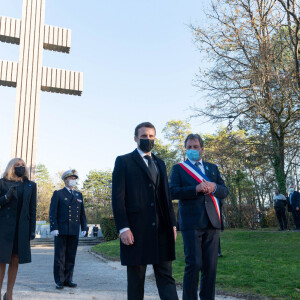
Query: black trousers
pixel 281 217
pixel 201 254
pixel 164 281
pixel 65 248
pixel 296 217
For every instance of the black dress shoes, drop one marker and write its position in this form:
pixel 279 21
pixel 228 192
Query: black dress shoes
pixel 59 286
pixel 70 284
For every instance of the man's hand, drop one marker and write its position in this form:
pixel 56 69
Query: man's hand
pixel 175 233
pixel 201 187
pixel 54 233
pixel 205 187
pixel 211 186
pixel 297 208
pixel 127 237
pixel 83 233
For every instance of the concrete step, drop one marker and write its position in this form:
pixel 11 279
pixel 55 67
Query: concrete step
pixel 48 242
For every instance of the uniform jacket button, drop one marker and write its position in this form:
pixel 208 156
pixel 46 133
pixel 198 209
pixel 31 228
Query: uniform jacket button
pixel 153 224
pixel 150 184
pixel 152 204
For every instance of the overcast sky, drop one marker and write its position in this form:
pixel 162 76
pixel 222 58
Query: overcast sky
pixel 138 61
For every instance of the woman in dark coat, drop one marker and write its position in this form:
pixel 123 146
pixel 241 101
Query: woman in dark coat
pixel 17 221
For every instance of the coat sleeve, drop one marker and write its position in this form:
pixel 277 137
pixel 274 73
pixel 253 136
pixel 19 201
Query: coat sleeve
pixel 171 209
pixel 178 191
pixel 32 210
pixel 118 195
pixel 53 212
pixel 83 218
pixel 297 200
pixel 169 199
pixel 3 199
pixel 221 191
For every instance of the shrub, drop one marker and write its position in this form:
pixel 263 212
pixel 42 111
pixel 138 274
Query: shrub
pixel 107 223
pixel 108 228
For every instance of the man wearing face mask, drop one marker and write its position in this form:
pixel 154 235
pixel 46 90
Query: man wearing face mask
pixel 200 189
pixel 294 199
pixel 144 216
pixel 66 215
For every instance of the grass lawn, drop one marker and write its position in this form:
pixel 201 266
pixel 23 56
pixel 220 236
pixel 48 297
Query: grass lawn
pixel 254 263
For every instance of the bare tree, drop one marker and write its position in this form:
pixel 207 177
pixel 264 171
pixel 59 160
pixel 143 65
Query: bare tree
pixel 250 79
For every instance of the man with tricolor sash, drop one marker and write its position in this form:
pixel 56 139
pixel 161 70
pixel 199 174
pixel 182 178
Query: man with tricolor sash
pixel 200 189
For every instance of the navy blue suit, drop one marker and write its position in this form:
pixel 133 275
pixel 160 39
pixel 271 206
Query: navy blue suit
pixel 294 200
pixel 66 215
pixel 199 223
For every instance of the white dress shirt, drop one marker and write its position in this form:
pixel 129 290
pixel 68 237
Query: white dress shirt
pixel 69 190
pixel 201 165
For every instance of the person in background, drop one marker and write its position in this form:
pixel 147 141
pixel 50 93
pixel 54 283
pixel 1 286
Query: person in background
pixel 279 201
pixel 294 199
pixel 17 221
pixel 87 231
pixel 95 230
pixel 66 216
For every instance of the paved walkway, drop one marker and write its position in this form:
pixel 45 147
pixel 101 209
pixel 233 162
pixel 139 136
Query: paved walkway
pixel 96 279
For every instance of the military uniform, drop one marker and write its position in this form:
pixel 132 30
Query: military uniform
pixel 66 215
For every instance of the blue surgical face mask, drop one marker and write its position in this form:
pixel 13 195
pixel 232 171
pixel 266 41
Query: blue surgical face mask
pixel 193 154
pixel 291 190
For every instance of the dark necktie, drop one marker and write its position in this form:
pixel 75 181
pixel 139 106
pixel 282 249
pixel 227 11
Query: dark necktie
pixel 151 168
pixel 198 164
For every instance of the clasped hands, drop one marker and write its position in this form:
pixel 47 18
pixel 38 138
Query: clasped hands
pixel 205 187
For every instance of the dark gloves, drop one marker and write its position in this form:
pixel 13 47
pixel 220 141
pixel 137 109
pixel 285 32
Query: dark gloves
pixel 32 236
pixel 10 193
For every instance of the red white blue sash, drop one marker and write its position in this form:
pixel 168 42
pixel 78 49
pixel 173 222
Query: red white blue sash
pixel 196 173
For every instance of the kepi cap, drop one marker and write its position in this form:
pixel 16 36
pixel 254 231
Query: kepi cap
pixel 69 173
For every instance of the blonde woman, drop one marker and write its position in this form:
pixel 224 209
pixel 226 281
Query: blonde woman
pixel 17 221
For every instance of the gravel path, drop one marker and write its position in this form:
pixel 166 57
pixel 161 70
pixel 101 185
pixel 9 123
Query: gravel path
pixel 97 279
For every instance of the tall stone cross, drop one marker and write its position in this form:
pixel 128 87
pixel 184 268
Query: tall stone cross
pixel 30 77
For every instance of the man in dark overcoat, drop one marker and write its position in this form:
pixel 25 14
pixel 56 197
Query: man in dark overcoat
pixel 66 216
pixel 144 216
pixel 199 188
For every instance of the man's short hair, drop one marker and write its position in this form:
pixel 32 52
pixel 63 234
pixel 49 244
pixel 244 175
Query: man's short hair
pixel 194 136
pixel 144 124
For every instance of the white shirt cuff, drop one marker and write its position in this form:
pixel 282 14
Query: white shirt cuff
pixel 215 189
pixel 124 229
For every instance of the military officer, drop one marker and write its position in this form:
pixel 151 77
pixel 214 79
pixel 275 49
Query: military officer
pixel 66 214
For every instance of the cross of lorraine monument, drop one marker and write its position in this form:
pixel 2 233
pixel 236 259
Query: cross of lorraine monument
pixel 30 77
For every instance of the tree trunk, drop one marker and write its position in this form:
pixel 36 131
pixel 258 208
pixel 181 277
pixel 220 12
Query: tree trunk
pixel 278 159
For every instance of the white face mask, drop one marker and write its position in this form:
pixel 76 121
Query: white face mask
pixel 72 183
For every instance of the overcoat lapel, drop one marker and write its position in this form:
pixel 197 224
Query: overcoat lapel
pixel 207 170
pixel 27 192
pixel 139 160
pixel 159 169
